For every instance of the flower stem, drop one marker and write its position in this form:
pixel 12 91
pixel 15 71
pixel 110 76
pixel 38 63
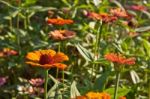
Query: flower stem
pixel 117 84
pixel 45 85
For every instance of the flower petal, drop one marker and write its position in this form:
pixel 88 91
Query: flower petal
pixel 34 56
pixel 60 57
pixel 48 52
pixel 60 66
pixel 45 66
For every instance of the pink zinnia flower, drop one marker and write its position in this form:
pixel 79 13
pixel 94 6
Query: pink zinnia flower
pixel 36 81
pixel 3 80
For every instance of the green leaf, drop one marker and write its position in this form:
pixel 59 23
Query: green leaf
pixel 135 77
pixel 29 2
pixel 84 52
pixel 142 29
pixel 121 92
pixel 146 45
pixel 74 91
pixel 100 82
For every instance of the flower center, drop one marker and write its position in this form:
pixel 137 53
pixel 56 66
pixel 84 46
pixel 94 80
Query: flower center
pixel 45 59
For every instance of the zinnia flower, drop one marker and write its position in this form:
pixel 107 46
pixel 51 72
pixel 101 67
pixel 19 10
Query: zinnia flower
pixel 118 12
pixel 59 21
pixel 61 34
pixel 119 59
pixel 47 59
pixel 8 52
pixel 36 81
pixel 106 18
pixel 138 8
pixel 96 95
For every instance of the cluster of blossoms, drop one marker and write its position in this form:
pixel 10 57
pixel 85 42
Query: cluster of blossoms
pixel 35 88
pixel 8 52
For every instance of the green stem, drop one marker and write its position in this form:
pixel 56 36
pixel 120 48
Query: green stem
pixel 63 78
pixel 10 24
pixel 96 47
pixel 45 84
pixel 149 89
pixel 117 84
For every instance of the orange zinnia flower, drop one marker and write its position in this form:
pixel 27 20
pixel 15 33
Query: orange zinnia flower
pixel 62 34
pixel 123 97
pixel 118 12
pixel 96 95
pixel 47 59
pixel 119 59
pixel 102 16
pixel 59 21
pixel 8 52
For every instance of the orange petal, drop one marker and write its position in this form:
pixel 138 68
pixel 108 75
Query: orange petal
pixel 34 56
pixel 60 66
pixel 33 64
pixel 60 57
pixel 48 52
pixel 45 66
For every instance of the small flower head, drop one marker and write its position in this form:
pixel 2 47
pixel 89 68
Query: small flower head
pixel 62 34
pixel 138 8
pixel 8 52
pixel 36 81
pixel 118 12
pixel 106 18
pixel 47 59
pixel 119 59
pixel 3 80
pixel 59 21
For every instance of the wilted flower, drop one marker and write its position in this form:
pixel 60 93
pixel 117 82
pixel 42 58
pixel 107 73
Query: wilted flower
pixel 119 59
pixel 8 52
pixel 36 81
pixel 47 59
pixel 62 34
pixel 138 8
pixel 3 80
pixel 106 18
pixel 133 34
pixel 59 21
pixel 118 12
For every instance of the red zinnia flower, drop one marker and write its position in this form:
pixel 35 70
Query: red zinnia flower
pixel 138 7
pixel 119 59
pixel 59 21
